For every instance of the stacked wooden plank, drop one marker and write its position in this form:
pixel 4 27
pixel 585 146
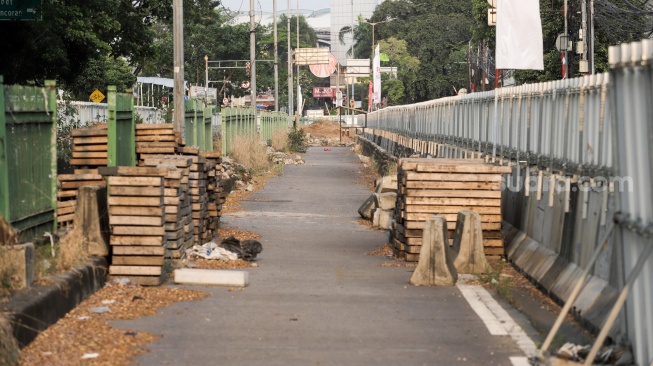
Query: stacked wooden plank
pixel 197 182
pixel 215 188
pixel 177 201
pixel 136 217
pixel 90 146
pixel 155 138
pixel 443 187
pixel 67 187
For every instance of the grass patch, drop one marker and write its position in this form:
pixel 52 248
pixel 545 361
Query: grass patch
pixel 250 153
pixel 494 280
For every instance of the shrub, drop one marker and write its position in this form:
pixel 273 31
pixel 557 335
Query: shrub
pixel 297 141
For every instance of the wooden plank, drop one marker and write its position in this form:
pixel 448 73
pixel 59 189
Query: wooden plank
pixel 136 211
pixel 69 203
pixel 155 144
pixel 66 218
pixel 117 190
pixel 61 211
pixel 444 177
pixel 67 194
pixel 135 201
pixel 152 138
pixel 496 210
pixel 136 270
pixel 81 183
pixel 99 147
pixel 178 161
pixel 155 131
pixel 137 240
pixel 89 154
pixel 138 230
pixel 155 150
pixel 411 163
pixel 136 220
pixel 135 181
pixel 78 177
pixel 99 130
pixel 452 225
pixel 92 162
pixel 453 185
pixel 452 201
pixel 91 140
pixel 446 193
pixel 138 250
pixel 449 217
pixel 135 260
pixel 134 171
pixel 86 171
pixel 463 168
pixel 153 126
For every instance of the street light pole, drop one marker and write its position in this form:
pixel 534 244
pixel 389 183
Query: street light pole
pixel 276 64
pixel 178 51
pixel 252 54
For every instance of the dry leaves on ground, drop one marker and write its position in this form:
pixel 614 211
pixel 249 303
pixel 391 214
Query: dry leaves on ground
pixel 85 333
pixel 234 199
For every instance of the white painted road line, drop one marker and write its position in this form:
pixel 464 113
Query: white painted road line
pixel 491 321
pixel 494 316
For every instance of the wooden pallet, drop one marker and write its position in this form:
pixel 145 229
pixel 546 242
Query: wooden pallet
pixel 67 188
pixel 90 146
pixel 443 187
pixel 155 139
pixel 137 219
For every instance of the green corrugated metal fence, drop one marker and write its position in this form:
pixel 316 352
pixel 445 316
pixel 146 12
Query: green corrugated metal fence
pixel 271 122
pixel 28 162
pixel 207 130
pixel 121 129
pixel 190 133
pixel 237 121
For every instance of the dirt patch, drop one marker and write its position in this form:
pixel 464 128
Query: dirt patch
pixel 323 129
pixel 85 337
pixel 234 199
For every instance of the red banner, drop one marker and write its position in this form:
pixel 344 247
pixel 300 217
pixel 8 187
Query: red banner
pixel 323 92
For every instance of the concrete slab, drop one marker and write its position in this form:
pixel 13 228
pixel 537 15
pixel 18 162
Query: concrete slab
pixel 566 282
pixel 215 277
pixel 366 210
pixel 20 259
pixel 514 244
pixel 387 200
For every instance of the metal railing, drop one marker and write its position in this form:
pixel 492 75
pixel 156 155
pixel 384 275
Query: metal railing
pixel 89 112
pixel 271 123
pixel 561 124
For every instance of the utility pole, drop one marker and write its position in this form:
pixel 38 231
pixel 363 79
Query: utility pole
pixel 290 79
pixel 178 51
pixel 252 54
pixel 299 93
pixel 276 64
pixel 567 63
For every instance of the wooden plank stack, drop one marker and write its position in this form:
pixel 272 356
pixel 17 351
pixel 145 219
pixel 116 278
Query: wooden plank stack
pixel 155 139
pixel 429 187
pixel 177 201
pixel 136 218
pixel 90 146
pixel 67 187
pixel 197 182
pixel 215 189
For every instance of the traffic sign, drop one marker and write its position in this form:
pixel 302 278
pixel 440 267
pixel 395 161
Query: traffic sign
pixel 20 10
pixel 96 96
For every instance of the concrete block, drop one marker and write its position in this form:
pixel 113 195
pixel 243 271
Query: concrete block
pixel 514 244
pixel 468 244
pixel 386 184
pixel 566 282
pixel 367 208
pixel 92 219
pixel 18 262
pixel 211 277
pixel 386 201
pixel 376 218
pixel 435 266
pixel 385 219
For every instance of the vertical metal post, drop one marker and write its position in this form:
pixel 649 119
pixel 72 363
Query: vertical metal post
pixel 178 50
pixel 299 106
pixel 290 78
pixel 276 59
pixel 252 55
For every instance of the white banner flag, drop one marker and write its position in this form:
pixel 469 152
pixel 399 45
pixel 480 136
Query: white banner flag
pixel 376 66
pixel 519 35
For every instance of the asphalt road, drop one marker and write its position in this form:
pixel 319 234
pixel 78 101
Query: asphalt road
pixel 316 298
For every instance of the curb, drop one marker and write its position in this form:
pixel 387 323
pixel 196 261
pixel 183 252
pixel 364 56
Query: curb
pixel 34 309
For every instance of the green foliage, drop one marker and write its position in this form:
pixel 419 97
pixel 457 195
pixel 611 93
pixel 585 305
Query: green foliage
pixel 297 141
pixel 66 123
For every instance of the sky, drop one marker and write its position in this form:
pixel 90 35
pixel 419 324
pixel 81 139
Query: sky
pixel 266 5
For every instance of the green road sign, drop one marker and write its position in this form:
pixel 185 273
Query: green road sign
pixel 20 10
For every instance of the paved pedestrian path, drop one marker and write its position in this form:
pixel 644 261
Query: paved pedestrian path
pixel 316 298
